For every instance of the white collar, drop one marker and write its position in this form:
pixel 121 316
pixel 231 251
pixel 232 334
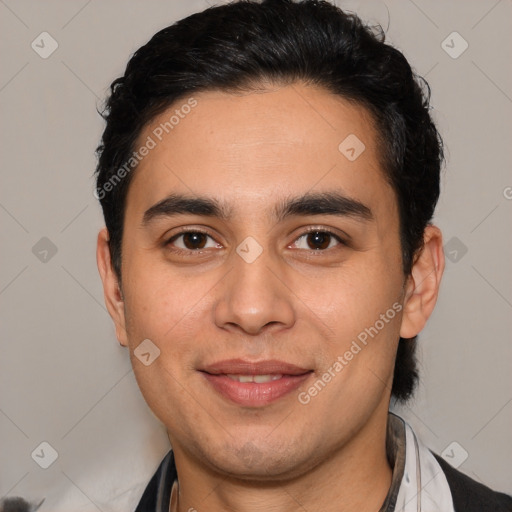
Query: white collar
pixel 424 487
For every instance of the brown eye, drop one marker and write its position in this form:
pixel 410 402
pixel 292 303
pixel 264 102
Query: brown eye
pixel 192 241
pixel 318 240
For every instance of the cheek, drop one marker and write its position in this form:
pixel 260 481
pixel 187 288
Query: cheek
pixel 363 312
pixel 351 296
pixel 159 305
pixel 166 310
pixel 151 286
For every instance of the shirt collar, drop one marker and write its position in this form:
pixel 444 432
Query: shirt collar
pixel 395 451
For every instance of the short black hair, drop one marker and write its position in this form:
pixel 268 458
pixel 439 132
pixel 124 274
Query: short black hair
pixel 246 44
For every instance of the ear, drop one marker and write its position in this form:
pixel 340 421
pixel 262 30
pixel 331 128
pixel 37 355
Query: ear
pixel 111 287
pixel 422 286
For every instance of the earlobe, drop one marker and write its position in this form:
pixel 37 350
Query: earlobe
pixel 111 287
pixel 422 287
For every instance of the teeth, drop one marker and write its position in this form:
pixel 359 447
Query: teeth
pixel 258 379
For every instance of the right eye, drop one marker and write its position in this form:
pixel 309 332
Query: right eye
pixel 193 241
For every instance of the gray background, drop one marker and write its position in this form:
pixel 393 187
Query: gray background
pixel 63 377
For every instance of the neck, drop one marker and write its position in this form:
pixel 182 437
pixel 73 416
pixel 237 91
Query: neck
pixel 355 478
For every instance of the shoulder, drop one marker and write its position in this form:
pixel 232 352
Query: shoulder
pixel 469 495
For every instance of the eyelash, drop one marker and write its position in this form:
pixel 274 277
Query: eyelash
pixel 178 250
pixel 323 231
pixel 199 252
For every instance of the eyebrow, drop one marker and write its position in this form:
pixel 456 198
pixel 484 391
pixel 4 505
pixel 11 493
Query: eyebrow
pixel 176 204
pixel 322 203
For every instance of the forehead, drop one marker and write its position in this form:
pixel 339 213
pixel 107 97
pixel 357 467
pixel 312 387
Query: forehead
pixel 252 149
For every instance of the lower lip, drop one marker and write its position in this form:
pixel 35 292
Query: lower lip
pixel 252 394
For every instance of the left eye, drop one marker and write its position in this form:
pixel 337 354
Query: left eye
pixel 317 241
pixel 193 241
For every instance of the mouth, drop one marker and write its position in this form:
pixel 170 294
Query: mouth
pixel 253 384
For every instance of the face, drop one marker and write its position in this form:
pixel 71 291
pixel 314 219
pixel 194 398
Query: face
pixel 262 259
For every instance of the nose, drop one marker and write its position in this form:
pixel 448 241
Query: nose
pixel 253 298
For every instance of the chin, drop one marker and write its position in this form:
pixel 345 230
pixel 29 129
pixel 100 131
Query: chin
pixel 259 461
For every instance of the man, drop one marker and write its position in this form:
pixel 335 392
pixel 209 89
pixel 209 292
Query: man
pixel 268 174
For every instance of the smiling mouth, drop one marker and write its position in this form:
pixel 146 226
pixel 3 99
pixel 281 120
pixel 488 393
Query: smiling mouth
pixel 252 384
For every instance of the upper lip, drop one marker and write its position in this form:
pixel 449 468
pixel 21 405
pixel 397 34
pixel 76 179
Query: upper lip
pixel 243 367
